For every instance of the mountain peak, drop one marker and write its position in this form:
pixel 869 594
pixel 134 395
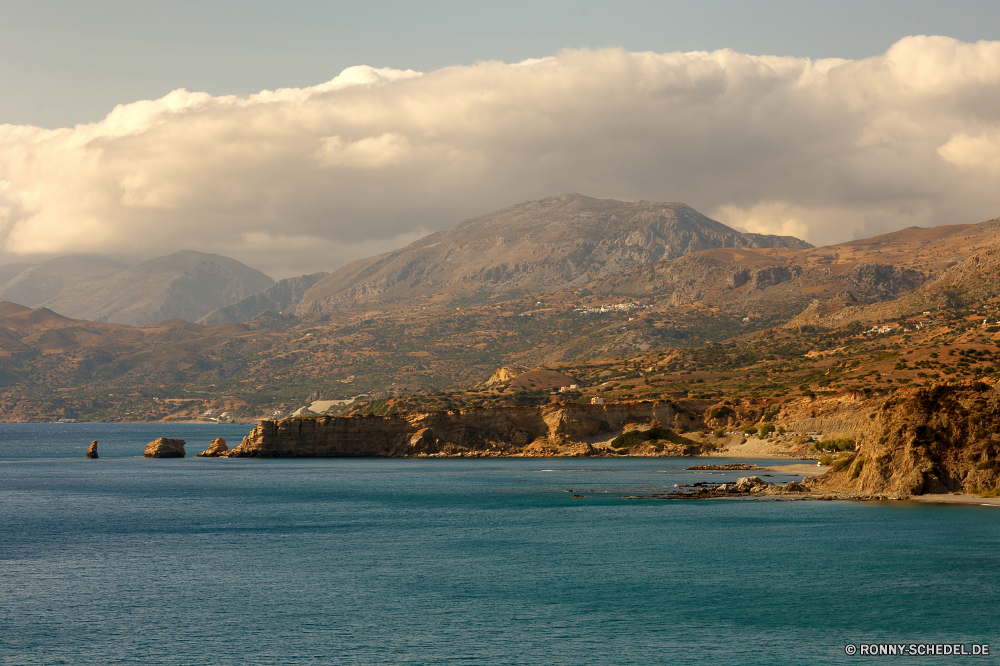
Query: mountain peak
pixel 542 245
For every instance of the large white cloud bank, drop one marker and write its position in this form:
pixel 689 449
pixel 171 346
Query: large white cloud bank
pixel 298 180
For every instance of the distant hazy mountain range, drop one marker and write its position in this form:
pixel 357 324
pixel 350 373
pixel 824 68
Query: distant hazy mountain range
pixel 544 245
pixel 184 285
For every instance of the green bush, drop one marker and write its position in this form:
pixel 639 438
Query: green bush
pixel 750 430
pixel 720 412
pixel 766 429
pixel 826 460
pixel 857 468
pixel 835 445
pixel 720 432
pixel 842 463
pixel 636 437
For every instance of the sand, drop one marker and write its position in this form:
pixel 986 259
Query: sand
pixel 803 470
pixel 956 499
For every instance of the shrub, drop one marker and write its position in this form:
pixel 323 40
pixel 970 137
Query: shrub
pixel 842 463
pixel 720 432
pixel 835 445
pixel 857 468
pixel 766 429
pixel 750 430
pixel 720 412
pixel 826 460
pixel 636 437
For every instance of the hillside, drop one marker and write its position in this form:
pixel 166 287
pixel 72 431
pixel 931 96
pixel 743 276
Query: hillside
pixel 745 323
pixel 281 296
pixel 37 285
pixel 538 246
pixel 184 285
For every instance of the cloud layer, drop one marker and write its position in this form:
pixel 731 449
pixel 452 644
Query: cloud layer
pixel 298 180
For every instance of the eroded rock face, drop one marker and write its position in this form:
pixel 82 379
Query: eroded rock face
pixel 92 450
pixel 165 447
pixel 534 430
pixel 216 449
pixel 937 441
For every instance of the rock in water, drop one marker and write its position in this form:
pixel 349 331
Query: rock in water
pixel 749 484
pixel 217 448
pixel 92 451
pixel 164 447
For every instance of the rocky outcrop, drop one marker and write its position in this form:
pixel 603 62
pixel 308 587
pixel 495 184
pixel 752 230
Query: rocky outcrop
pixel 92 449
pixel 745 484
pixel 216 449
pixel 535 430
pixel 165 447
pixel 942 440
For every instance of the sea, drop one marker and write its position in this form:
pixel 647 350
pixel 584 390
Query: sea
pixel 128 560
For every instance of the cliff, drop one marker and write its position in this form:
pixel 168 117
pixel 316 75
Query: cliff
pixel 534 430
pixel 932 441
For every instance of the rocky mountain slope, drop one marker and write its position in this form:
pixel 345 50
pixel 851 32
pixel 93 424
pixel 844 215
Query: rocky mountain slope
pixel 554 243
pixel 281 296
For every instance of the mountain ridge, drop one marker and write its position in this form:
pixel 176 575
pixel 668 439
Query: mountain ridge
pixel 540 245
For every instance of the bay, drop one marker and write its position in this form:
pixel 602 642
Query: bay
pixel 127 560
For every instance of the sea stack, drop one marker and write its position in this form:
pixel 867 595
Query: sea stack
pixel 92 451
pixel 218 448
pixel 164 447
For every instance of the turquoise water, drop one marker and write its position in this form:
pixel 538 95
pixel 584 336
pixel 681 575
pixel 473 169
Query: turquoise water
pixel 125 560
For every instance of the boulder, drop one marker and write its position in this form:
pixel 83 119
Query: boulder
pixel 92 451
pixel 216 449
pixel 749 484
pixel 164 447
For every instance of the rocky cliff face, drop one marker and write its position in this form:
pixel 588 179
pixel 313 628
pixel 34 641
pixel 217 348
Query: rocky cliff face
pixel 546 430
pixel 943 440
pixel 217 449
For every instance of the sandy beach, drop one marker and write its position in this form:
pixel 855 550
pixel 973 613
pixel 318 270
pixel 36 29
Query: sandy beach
pixel 956 499
pixel 803 469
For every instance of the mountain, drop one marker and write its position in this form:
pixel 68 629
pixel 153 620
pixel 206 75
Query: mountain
pixel 184 285
pixel 36 285
pixel 281 296
pixel 10 271
pixel 544 245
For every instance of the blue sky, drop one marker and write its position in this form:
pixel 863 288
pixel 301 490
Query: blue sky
pixel 63 63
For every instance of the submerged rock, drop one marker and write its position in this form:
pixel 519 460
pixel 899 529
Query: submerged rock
pixel 92 451
pixel 164 447
pixel 216 449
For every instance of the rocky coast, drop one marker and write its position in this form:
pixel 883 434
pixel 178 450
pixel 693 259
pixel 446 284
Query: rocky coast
pixel 922 442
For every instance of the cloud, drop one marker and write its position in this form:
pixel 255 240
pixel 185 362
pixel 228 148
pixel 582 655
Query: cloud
pixel 298 180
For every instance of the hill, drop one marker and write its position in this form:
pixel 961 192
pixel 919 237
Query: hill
pixel 279 297
pixel 184 285
pixel 37 285
pixel 538 246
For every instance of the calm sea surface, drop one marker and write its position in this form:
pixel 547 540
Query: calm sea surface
pixel 125 560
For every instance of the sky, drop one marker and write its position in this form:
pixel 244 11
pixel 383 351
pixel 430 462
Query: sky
pixel 299 136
